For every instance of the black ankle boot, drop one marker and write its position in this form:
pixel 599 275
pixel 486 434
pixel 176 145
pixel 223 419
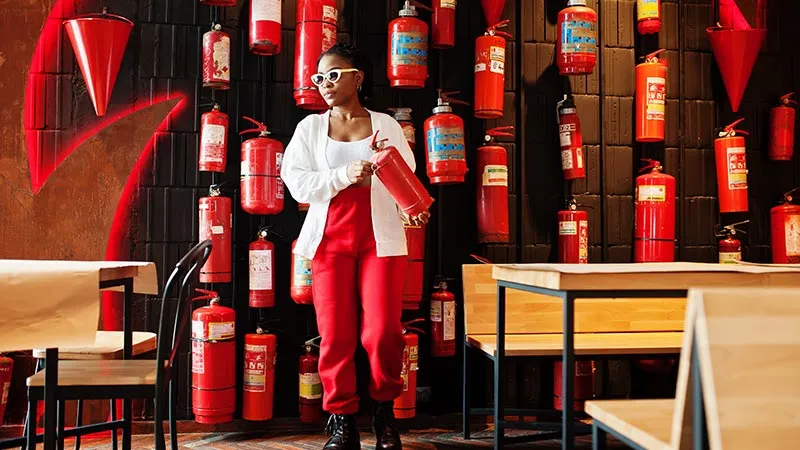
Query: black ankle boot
pixel 383 423
pixel 344 433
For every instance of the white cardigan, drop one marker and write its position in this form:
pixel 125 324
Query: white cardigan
pixel 309 179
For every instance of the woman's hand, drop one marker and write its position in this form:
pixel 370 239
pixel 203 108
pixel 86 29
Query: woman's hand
pixel 419 219
pixel 358 171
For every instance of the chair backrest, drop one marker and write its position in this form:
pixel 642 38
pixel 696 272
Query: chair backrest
pixel 528 313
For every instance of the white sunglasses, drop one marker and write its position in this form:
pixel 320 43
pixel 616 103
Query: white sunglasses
pixel 333 75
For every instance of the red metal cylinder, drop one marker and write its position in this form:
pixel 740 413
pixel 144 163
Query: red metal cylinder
pixel 403 117
pixel 730 250
pixel 216 59
pixel 445 151
pixel 262 189
pixel 404 187
pixel 651 98
pixel 258 389
pixel 301 290
pixel 492 187
pixel 215 222
pixel 573 235
pixel 310 387
pixel 731 161
pixel 443 321
pixel 569 135
pixel 407 62
pixel 264 32
pixel 490 75
pixel 782 124
pixel 213 356
pixel 648 16
pixel 405 406
pixel 6 371
pixel 654 212
pixel 213 152
pixel 315 33
pixel 415 269
pixel 443 24
pixel 785 233
pixel 584 384
pixel 261 255
pixel 576 48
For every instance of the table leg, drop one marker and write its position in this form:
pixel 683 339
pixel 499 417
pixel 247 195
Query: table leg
pixel 50 386
pixel 699 432
pixel 568 374
pixel 599 437
pixel 465 398
pixel 500 369
pixel 127 325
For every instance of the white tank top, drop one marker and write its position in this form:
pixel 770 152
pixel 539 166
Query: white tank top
pixel 343 153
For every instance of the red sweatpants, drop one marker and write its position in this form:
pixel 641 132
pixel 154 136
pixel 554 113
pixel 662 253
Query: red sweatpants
pixel 356 292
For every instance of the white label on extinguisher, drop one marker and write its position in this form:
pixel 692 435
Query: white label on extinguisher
pixel 255 368
pixel 198 362
pixel 566 159
pixel 213 143
pixel 408 132
pixel 222 58
pixel 737 168
pixel 279 190
pixel 480 67
pixel 497 63
pixel 792 235
pixel 302 271
pixel 260 270
pixel 568 228
pixel 278 162
pixel 651 193
pixel 310 386
pixel 221 330
pixel 266 10
pixel 729 257
pixel 495 175
pixel 449 320
pixel 413 358
pixel 329 13
pixel 198 332
pixel 448 4
pixel 217 229
pixel 436 310
pixel 4 397
pixel 583 242
pixel 656 98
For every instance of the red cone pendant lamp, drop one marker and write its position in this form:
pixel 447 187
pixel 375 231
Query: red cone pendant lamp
pixel 492 9
pixel 736 52
pixel 99 42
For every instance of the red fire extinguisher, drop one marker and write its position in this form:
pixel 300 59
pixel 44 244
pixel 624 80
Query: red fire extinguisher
pixel 730 248
pixel 213 356
pixel 490 72
pixel 584 384
pixel 265 27
pixel 730 152
pixel 213 140
pixel 316 28
pixel 405 406
pixel 444 142
pixel 576 48
pixel 781 118
pixel 492 187
pixel 261 184
pixel 407 51
pixel 570 139
pixel 648 16
pixel 651 98
pixel 443 320
pixel 573 235
pixel 6 370
pixel 215 222
pixel 258 388
pixel 218 2
pixel 403 117
pixel 654 211
pixel 415 269
pixel 310 384
pixel 216 58
pixel 443 24
pixel 395 175
pixel 785 230
pixel 301 291
pixel 262 271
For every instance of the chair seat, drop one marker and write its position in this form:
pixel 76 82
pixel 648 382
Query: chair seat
pixel 551 344
pixel 102 372
pixel 107 345
pixel 647 423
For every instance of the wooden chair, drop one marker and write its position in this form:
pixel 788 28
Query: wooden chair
pixel 94 379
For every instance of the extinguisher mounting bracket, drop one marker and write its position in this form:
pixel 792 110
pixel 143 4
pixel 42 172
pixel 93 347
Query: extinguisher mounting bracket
pixel 260 128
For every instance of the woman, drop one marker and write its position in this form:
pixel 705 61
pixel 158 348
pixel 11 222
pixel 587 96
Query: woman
pixel 354 236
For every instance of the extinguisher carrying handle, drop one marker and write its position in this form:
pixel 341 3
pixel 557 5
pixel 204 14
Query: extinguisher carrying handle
pixel 730 230
pixel 446 97
pixel 440 282
pixel 260 128
pixel 730 130
pixel 480 259
pixel 208 295
pixel 407 326
pixel 311 342
pixel 417 4
pixel 651 164
pixel 377 144
pixel 787 100
pixel 215 190
pixel 653 57
pixel 493 30
pixel 787 196
pixel 268 230
pixel 497 132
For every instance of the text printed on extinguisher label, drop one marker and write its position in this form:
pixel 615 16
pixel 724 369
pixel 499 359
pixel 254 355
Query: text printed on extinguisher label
pixel 221 330
pixel 449 320
pixel 579 36
pixel 656 98
pixel 310 386
pixel 568 162
pixel 436 310
pixel 583 242
pixel 198 359
pixel 267 10
pixel 222 58
pixel 409 48
pixel 568 228
pixel 213 143
pixel 495 175
pixel 651 193
pixel 729 257
pixel 260 270
pixel 445 144
pixel 302 271
pixel 737 168
pixel 328 35
pixel 448 4
pixel 255 368
pixel 565 134
pixel 497 59
pixel 646 9
pixel 279 190
pixel 792 235
pixel 413 358
pixel 4 397
pixel 408 132
pixel 329 13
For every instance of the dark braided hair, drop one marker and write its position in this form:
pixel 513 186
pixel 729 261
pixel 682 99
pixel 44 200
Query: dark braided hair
pixel 359 61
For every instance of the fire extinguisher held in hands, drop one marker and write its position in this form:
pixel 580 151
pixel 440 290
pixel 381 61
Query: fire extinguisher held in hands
pixel 215 222
pixel 213 356
pixel 654 212
pixel 395 175
pixel 216 58
pixel 443 24
pixel 213 151
pixel 261 184
pixel 405 406
pixel 785 231
pixel 407 51
pixel 317 24
pixel 301 291
pixel 265 27
pixel 6 370
pixel 570 139
pixel 403 117
pixel 648 16
pixel 444 142
pixel 415 269
pixel 781 118
pixel 258 388
pixel 730 248
pixel 310 384
pixel 651 98
pixel 443 320
pixel 490 74
pixel 573 235
pixel 262 271
pixel 492 187
pixel 576 48
pixel 731 159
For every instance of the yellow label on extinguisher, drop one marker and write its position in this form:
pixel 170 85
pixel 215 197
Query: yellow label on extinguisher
pixel 651 193
pixel 448 4
pixel 646 9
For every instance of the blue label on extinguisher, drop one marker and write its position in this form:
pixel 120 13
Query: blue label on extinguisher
pixel 409 48
pixel 445 144
pixel 578 36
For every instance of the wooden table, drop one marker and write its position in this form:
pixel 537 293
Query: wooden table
pixel 643 280
pixel 57 303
